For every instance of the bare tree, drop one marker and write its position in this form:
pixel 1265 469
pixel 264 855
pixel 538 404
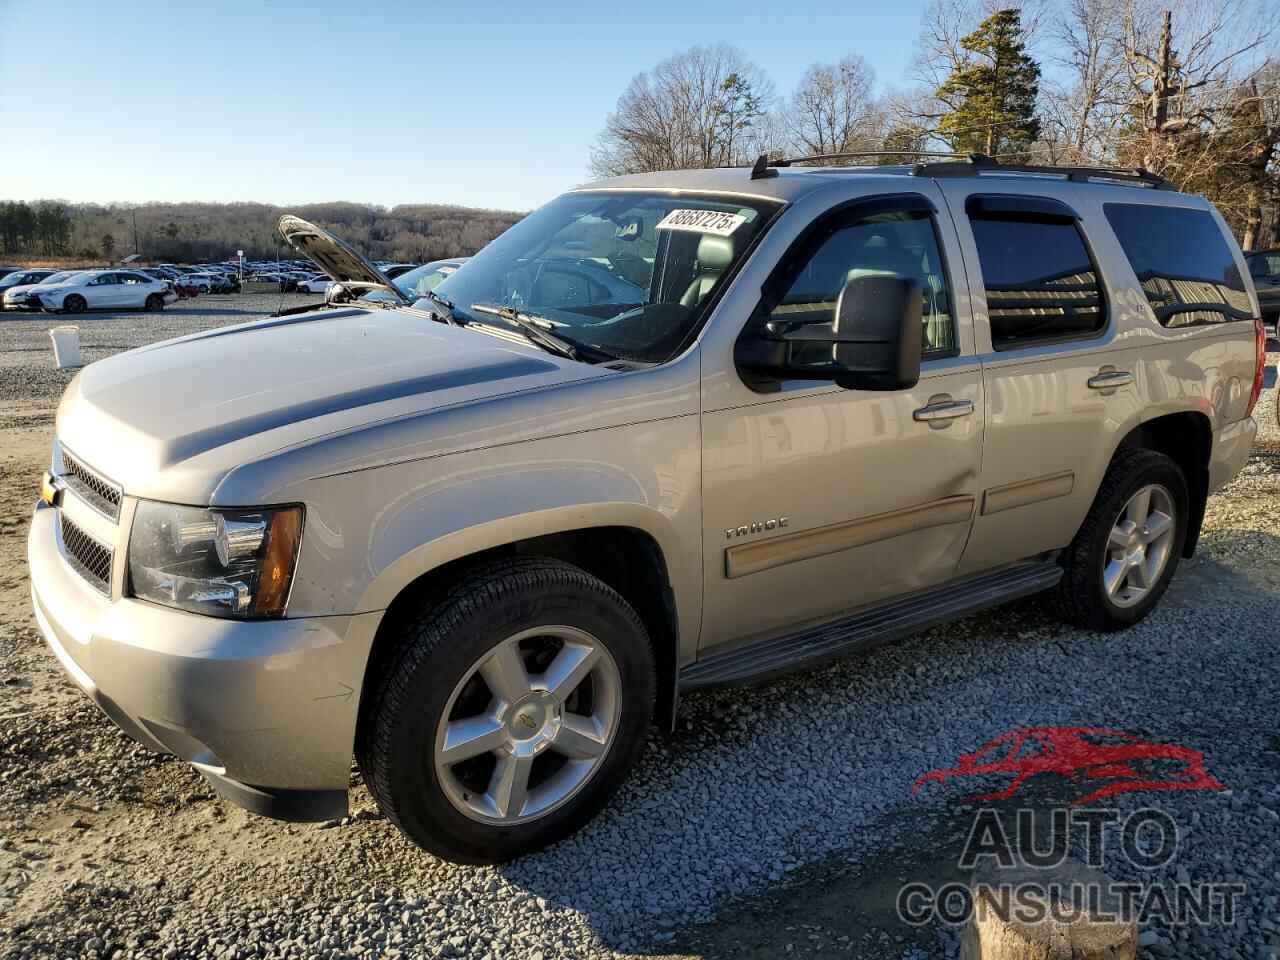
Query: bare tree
pixel 697 109
pixel 1182 63
pixel 833 108
pixel 1083 108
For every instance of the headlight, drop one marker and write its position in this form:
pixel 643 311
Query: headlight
pixel 225 563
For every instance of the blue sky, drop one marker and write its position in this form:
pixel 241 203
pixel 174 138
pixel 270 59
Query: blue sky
pixel 484 104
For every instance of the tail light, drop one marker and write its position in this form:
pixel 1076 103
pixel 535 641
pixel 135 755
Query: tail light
pixel 1259 365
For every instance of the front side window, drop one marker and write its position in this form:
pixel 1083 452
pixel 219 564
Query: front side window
pixel 897 243
pixel 1183 262
pixel 631 274
pixel 1040 281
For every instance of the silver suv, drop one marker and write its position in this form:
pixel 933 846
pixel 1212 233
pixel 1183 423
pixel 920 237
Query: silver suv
pixel 669 431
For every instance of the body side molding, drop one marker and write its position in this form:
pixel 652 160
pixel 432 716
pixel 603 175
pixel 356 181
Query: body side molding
pixel 748 558
pixel 1022 492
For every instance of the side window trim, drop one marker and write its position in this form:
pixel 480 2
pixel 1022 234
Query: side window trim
pixel 823 226
pixel 1034 209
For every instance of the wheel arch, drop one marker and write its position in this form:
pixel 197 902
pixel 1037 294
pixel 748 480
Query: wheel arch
pixel 630 557
pixel 1186 437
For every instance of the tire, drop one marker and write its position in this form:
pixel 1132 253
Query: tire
pixel 1082 597
pixel 155 303
pixel 442 673
pixel 74 304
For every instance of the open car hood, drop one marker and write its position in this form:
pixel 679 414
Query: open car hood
pixel 334 257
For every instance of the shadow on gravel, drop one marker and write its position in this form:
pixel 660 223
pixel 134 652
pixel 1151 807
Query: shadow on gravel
pixel 779 819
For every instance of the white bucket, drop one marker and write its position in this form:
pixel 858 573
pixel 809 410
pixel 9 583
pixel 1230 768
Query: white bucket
pixel 66 346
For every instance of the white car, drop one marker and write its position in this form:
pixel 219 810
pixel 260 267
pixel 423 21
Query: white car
pixel 23 297
pixel 315 284
pixel 105 289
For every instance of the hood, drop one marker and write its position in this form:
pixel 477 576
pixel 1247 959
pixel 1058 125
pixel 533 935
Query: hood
pixel 22 288
pixel 334 257
pixel 169 420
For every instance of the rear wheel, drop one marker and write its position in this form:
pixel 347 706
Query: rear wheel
pixel 75 304
pixel 155 303
pixel 1122 559
pixel 512 709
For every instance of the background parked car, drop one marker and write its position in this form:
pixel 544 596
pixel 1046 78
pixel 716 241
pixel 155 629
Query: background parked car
pixel 104 289
pixel 419 281
pixel 18 278
pixel 1264 267
pixel 317 283
pixel 24 296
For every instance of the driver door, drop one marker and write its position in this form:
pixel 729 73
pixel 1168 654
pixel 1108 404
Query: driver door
pixel 819 500
pixel 103 290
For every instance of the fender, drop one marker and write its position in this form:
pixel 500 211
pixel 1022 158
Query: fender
pixel 458 544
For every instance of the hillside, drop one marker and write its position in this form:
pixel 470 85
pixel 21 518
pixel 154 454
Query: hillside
pixel 187 232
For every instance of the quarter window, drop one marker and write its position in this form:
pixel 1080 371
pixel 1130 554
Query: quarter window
pixel 1040 281
pixel 1182 260
pixel 900 243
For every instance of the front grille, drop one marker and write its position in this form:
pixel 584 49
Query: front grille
pixel 87 556
pixel 100 493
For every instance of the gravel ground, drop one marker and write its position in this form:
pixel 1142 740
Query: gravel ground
pixel 777 819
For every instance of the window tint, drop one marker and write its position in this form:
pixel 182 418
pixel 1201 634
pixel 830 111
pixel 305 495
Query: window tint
pixel 900 243
pixel 1182 261
pixel 1040 281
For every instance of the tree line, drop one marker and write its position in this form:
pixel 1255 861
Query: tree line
pixel 195 232
pixel 1189 89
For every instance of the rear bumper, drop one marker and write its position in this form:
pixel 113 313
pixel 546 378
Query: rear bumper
pixel 265 710
pixel 1231 447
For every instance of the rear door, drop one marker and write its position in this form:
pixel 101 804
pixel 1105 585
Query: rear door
pixel 1058 377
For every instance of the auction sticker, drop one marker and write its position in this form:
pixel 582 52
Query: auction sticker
pixel 702 221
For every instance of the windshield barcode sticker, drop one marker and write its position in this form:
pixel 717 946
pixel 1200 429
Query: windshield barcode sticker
pixel 702 221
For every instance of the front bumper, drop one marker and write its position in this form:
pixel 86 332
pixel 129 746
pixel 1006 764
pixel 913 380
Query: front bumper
pixel 265 710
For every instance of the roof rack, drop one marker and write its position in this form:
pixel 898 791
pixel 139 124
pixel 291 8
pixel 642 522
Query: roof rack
pixel 973 164
pixel 764 166
pixel 977 162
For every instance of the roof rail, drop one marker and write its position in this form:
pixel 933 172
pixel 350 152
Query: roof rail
pixel 764 163
pixel 977 162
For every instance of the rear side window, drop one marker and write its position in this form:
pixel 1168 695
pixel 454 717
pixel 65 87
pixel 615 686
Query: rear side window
pixel 1040 280
pixel 1182 261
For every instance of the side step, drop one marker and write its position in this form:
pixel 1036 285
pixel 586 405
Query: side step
pixel 879 623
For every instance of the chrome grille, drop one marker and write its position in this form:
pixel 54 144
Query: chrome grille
pixel 99 492
pixel 87 556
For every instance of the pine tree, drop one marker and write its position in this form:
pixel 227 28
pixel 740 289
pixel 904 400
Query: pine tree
pixel 992 97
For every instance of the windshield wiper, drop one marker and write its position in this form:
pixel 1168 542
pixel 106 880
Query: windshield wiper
pixel 530 325
pixel 445 309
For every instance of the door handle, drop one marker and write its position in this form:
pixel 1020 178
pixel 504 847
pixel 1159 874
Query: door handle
pixel 943 409
pixel 1109 379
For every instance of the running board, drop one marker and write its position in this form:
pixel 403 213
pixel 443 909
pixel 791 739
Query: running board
pixel 879 623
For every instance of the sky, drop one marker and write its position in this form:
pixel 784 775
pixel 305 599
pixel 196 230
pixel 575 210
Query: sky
pixel 483 104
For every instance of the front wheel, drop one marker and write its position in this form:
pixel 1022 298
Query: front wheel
pixel 510 711
pixel 75 304
pixel 1122 559
pixel 155 303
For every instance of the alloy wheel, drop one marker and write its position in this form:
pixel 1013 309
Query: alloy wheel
pixel 1139 545
pixel 528 725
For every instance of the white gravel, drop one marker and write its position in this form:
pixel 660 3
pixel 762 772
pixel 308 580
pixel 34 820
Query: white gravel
pixel 764 796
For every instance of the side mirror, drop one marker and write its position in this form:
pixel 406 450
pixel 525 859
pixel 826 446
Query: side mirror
pixel 873 343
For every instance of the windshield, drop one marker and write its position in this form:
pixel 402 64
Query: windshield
pixel 58 277
pixel 628 273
